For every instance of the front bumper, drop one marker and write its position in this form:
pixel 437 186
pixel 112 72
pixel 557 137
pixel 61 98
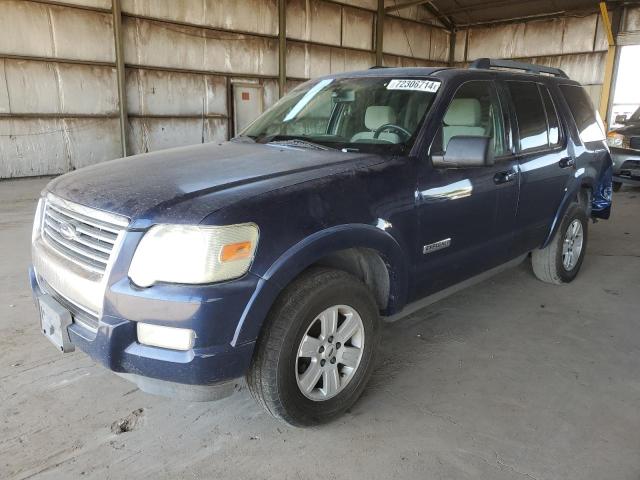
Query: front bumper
pixel 626 166
pixel 209 370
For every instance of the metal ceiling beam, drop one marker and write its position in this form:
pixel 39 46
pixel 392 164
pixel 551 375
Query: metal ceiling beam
pixel 484 6
pixel 431 8
pixel 443 19
pixel 510 3
pixel 402 6
pixel 506 21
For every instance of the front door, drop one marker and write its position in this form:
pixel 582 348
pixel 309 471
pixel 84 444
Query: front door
pixel 466 215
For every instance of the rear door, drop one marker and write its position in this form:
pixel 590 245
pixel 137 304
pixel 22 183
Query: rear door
pixel 591 153
pixel 544 159
pixel 466 215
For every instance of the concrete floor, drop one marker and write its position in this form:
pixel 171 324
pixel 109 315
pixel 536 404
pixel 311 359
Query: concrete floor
pixel 512 379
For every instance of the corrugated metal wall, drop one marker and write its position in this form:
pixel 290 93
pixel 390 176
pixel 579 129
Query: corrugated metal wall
pixel 576 44
pixel 56 115
pixel 58 83
pixel 59 107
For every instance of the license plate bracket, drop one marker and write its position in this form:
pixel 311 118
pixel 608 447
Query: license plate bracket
pixel 54 322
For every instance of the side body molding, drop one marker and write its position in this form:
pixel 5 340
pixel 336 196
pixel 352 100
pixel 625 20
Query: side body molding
pixel 313 248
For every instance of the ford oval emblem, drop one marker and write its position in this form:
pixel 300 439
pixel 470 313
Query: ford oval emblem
pixel 68 231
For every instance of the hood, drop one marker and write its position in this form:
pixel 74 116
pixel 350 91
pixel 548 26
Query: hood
pixel 184 185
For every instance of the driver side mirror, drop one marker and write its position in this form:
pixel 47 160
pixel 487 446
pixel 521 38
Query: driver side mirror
pixel 465 151
pixel 621 119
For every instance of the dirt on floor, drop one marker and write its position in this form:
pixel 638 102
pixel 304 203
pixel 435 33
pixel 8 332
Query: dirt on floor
pixel 511 379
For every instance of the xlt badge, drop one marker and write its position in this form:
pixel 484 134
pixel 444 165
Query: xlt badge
pixel 434 247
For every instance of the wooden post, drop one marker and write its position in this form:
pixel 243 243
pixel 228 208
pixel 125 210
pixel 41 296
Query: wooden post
pixel 379 33
pixel 610 63
pixel 120 74
pixel 282 46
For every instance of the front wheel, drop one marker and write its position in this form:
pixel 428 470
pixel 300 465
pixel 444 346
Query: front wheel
pixel 560 261
pixel 316 352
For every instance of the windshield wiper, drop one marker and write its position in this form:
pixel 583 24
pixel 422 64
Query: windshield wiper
pixel 244 138
pixel 291 141
pixel 297 142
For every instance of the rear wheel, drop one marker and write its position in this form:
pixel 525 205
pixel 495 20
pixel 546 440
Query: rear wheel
pixel 316 352
pixel 560 261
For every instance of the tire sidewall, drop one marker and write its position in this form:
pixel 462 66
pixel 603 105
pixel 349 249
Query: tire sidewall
pixel 338 293
pixel 574 213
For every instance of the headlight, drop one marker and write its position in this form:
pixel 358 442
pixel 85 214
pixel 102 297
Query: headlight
pixel 37 221
pixel 617 140
pixel 193 254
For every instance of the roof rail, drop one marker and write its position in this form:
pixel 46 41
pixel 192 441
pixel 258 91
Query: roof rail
pixel 489 63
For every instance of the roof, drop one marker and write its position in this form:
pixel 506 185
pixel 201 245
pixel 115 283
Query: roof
pixel 442 72
pixel 390 72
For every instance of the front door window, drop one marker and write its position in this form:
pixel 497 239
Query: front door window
pixel 474 111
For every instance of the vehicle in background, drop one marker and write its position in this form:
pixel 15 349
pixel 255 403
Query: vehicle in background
pixel 624 143
pixel 274 256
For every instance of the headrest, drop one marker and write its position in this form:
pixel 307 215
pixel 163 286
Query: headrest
pixel 463 112
pixel 376 116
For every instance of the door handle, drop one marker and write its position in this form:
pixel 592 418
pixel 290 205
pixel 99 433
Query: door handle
pixel 567 162
pixel 505 177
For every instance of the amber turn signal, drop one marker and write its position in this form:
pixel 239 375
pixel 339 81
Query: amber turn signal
pixel 235 251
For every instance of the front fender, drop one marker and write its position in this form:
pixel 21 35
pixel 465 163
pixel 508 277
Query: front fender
pixel 310 250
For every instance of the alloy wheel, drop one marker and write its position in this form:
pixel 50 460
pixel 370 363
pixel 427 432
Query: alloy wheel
pixel 329 353
pixel 572 245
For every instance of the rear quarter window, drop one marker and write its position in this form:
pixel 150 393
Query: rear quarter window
pixel 587 119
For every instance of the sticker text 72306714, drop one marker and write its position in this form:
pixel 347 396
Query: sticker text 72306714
pixel 419 85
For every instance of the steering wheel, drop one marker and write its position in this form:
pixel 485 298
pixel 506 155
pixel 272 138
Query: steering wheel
pixel 390 126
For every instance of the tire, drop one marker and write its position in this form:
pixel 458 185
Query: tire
pixel 616 186
pixel 550 263
pixel 277 371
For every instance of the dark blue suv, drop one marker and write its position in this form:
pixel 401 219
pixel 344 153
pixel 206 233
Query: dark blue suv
pixel 274 256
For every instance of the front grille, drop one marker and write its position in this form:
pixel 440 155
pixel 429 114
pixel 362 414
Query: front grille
pixel 83 235
pixel 634 142
pixel 631 164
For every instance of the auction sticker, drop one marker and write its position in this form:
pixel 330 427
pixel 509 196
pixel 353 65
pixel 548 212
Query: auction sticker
pixel 419 85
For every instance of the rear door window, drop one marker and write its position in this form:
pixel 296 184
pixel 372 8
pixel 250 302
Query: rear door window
pixel 587 120
pixel 531 116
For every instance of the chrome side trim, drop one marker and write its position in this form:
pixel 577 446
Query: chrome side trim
pixel 453 191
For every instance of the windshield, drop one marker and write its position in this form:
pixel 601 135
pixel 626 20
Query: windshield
pixel 358 114
pixel 635 117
